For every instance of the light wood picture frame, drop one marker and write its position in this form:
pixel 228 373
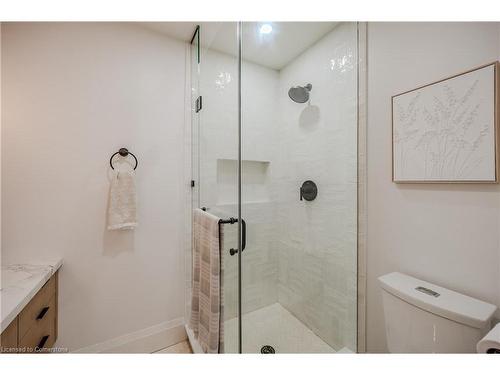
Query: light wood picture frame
pixel 447 131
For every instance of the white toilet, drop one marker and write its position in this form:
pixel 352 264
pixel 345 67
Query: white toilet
pixel 421 317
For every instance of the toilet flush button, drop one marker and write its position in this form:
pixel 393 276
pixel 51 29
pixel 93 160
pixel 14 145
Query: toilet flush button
pixel 430 292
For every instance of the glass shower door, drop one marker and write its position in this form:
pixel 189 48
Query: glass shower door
pixel 215 153
pixel 299 186
pixel 275 144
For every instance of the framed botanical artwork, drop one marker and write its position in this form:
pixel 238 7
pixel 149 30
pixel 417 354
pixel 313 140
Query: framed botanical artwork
pixel 447 131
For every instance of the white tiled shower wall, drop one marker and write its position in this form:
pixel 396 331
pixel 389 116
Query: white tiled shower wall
pixel 316 240
pixel 300 254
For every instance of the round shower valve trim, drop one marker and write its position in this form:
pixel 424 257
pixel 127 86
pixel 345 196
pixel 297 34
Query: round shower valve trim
pixel 308 191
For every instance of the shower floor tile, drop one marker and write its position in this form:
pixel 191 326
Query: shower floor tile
pixel 273 325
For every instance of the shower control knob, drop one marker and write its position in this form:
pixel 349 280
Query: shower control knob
pixel 308 191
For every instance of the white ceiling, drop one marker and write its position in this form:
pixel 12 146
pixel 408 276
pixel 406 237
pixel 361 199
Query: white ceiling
pixel 177 30
pixel 275 50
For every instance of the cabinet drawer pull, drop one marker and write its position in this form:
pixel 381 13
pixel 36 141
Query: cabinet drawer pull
pixel 42 313
pixel 42 342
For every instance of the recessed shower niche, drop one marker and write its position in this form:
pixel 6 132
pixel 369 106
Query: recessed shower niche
pixel 254 178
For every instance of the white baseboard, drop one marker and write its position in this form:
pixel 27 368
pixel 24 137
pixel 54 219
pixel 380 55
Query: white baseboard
pixel 146 340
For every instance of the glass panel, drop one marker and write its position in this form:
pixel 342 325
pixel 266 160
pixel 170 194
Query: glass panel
pixel 195 117
pixel 299 130
pixel 218 153
pixel 195 92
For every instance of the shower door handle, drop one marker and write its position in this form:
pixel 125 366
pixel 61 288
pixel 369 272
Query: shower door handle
pixel 243 238
pixel 199 104
pixel 243 234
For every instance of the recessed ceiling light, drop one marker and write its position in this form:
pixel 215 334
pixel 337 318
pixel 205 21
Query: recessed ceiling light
pixel 266 29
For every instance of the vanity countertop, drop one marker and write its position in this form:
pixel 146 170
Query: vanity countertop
pixel 20 283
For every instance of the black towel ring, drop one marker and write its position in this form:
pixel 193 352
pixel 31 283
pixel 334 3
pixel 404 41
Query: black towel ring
pixel 123 152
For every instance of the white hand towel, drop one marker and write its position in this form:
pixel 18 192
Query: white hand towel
pixel 122 202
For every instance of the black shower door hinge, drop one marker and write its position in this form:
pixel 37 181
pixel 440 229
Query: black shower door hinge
pixel 199 104
pixel 192 183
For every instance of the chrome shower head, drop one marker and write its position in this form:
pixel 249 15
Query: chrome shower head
pixel 300 94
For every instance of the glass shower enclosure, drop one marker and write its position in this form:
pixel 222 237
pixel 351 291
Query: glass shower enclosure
pixel 274 132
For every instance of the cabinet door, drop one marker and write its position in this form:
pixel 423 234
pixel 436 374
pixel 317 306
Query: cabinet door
pixel 8 340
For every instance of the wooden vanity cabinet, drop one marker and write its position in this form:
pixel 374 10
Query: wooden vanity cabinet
pixel 34 330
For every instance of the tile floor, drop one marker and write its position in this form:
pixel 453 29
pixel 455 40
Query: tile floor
pixel 273 325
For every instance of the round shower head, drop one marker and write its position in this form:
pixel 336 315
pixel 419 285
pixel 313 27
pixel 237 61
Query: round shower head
pixel 300 94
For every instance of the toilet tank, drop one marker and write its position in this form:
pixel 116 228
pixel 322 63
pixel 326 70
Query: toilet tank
pixel 421 317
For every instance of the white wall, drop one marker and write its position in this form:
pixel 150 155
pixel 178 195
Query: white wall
pixel 446 234
pixel 72 95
